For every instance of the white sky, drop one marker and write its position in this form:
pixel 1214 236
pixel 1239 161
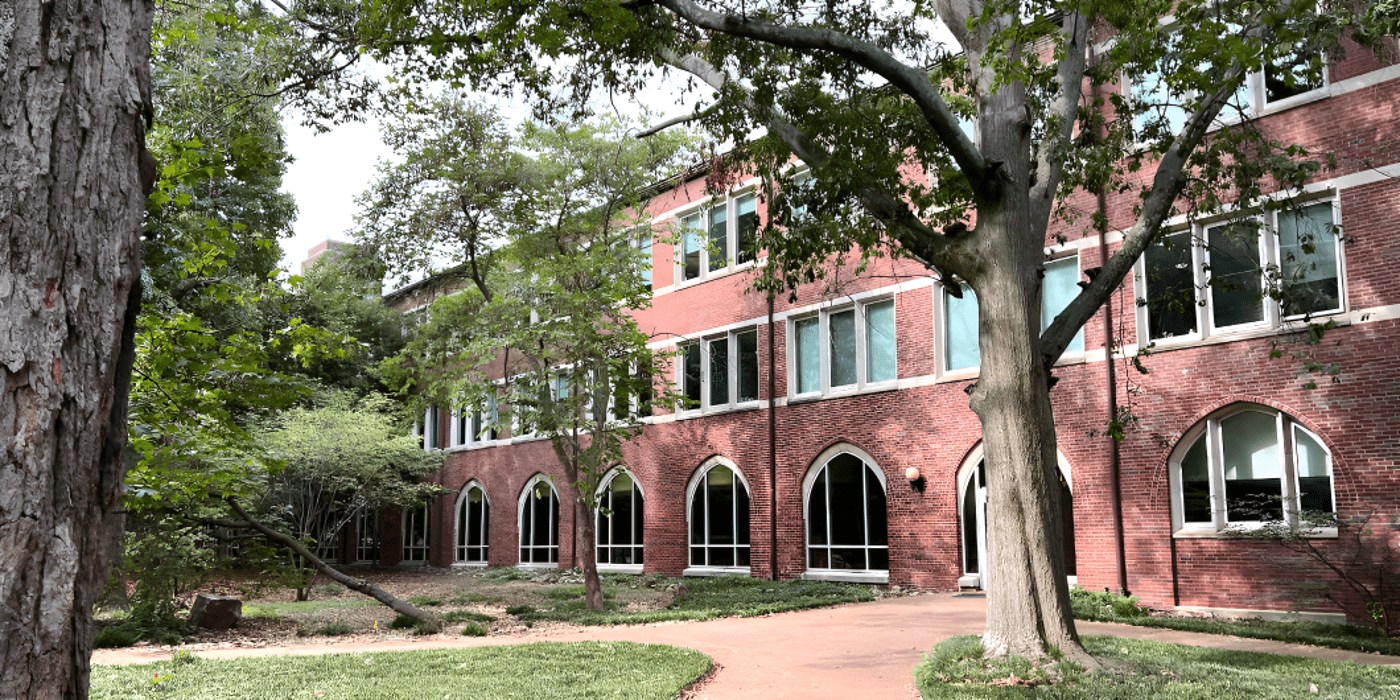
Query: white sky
pixel 330 170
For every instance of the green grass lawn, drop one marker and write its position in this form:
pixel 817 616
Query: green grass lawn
pixel 574 671
pixel 277 609
pixel 1106 607
pixel 709 598
pixel 1156 670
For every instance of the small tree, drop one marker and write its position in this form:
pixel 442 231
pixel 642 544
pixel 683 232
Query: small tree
pixel 542 322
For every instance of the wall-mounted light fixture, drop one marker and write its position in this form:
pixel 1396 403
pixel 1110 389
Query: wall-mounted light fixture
pixel 916 480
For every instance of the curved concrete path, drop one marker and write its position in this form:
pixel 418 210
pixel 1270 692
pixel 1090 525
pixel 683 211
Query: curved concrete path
pixel 853 651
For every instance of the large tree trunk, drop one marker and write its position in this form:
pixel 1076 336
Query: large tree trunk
pixel 1028 609
pixel 76 81
pixel 586 547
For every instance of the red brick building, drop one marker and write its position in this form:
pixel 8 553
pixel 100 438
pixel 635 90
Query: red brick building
pixel 863 381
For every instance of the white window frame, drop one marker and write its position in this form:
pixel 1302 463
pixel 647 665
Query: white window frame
pixel 639 529
pixel 520 525
pixel 428 428
pixel 824 350
pixel 367 517
pixel 692 490
pixel 731 204
pixel 416 554
pixel 1209 429
pixel 465 420
pixel 459 549
pixel 731 338
pixel 1270 257
pixel 867 575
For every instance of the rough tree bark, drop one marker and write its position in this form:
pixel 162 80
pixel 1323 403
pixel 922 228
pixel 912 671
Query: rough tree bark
pixel 74 97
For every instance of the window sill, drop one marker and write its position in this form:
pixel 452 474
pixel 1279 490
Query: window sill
pixel 716 571
pixel 538 567
pixel 711 275
pixel 621 568
pixel 1329 533
pixel 843 392
pixel 872 577
pixel 720 410
pixel 467 447
pixel 469 565
pixel 1341 318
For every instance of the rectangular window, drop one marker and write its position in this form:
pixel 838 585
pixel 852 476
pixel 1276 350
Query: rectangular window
pixel 645 260
pixel 1308 261
pixel 808 346
pixel 1060 288
pixel 960 341
pixel 1171 287
pixel 748 365
pixel 859 348
pixel 690 247
pixel 719 238
pixel 1236 276
pixel 881 361
pixel 1291 75
pixel 745 229
pixel 722 370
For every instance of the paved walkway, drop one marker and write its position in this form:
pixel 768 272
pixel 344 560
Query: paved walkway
pixel 853 651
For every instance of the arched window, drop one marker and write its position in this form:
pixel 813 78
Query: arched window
pixel 473 525
pixel 415 534
pixel 539 522
pixel 1247 464
pixel 846 518
pixel 973 519
pixel 719 517
pixel 620 520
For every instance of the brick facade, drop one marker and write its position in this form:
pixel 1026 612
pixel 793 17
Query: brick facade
pixel 924 421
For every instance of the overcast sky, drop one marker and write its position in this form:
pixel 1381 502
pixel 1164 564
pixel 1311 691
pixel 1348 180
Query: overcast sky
pixel 330 170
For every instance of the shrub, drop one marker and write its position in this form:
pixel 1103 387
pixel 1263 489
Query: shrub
pixel 330 629
pixel 115 637
pixel 520 609
pixel 466 616
pixel 474 630
pixel 403 622
pixel 425 600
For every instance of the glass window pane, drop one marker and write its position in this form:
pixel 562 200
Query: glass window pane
pixel 719 372
pixel 697 518
pixel 1314 472
pixel 644 260
pixel 845 485
pixel 691 376
pixel 876 527
pixel 1171 287
pixel 746 222
pixel 748 366
pixel 719 238
pixel 721 498
pixel 816 511
pixel 843 347
pixel 808 356
pixel 1287 76
pixel 1164 111
pixel 969 527
pixel 961 346
pixel 1235 293
pixel 741 515
pixel 1060 288
pixel 880 354
pixel 1253 466
pixel 690 246
pixel 1195 483
pixel 1308 260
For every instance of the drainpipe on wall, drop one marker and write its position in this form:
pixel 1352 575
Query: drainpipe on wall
pixel 1113 453
pixel 772 447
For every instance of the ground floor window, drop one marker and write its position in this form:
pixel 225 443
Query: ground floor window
pixel 621 508
pixel 1248 464
pixel 719 519
pixel 539 523
pixel 473 525
pixel 973 520
pixel 846 518
pixel 415 534
pixel 367 535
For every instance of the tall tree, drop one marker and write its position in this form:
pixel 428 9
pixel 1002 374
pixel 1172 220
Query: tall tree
pixel 545 235
pixel 1010 122
pixel 74 108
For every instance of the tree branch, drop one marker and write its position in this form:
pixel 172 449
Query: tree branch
pixel 1050 154
pixel 674 121
pixel 365 587
pixel 913 82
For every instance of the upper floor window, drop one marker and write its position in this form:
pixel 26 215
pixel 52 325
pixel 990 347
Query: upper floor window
pixel 1247 464
pixel 475 424
pixel 720 371
pixel 961 351
pixel 844 349
pixel 427 429
pixel 1233 276
pixel 718 237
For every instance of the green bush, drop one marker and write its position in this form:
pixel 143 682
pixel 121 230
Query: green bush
pixel 115 636
pixel 1104 606
pixel 505 573
pixel 330 629
pixel 425 600
pixel 466 616
pixel 403 622
pixel 474 630
pixel 520 609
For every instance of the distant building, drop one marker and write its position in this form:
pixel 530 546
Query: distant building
pixel 317 251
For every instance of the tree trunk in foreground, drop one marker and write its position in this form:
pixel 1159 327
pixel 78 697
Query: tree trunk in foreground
pixel 74 92
pixel 586 547
pixel 1028 609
